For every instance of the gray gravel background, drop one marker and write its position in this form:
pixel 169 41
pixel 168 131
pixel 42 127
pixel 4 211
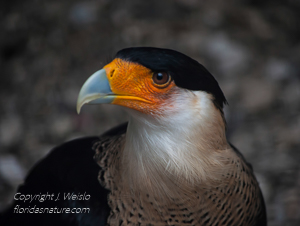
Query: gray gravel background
pixel 49 48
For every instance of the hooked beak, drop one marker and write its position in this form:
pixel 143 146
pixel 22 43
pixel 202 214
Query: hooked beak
pixel 96 90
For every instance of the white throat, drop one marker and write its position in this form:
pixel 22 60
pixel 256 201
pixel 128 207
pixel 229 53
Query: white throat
pixel 184 145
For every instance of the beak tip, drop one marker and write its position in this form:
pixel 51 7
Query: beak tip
pixel 78 107
pixel 94 90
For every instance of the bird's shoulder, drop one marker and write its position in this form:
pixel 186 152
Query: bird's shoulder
pixel 69 169
pixel 243 180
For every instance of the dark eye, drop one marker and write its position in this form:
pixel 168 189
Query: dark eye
pixel 161 78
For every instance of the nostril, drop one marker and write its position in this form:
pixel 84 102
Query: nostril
pixel 112 73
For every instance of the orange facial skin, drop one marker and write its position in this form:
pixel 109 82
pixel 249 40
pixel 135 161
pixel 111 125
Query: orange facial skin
pixel 134 87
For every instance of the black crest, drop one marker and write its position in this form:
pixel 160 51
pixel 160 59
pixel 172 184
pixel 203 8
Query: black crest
pixel 186 72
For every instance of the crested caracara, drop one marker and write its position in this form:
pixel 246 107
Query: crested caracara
pixel 171 164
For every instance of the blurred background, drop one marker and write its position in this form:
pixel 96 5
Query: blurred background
pixel 49 48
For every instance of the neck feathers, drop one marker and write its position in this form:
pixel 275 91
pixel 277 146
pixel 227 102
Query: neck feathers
pixel 187 147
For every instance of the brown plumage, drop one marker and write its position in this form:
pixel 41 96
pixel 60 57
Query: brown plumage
pixel 234 199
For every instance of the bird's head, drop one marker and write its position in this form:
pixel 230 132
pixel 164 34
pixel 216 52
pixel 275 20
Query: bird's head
pixel 153 81
pixel 176 109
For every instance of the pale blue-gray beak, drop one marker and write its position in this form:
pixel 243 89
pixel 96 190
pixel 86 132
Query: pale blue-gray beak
pixel 96 90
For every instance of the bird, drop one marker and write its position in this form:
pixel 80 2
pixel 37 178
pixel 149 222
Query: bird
pixel 170 164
